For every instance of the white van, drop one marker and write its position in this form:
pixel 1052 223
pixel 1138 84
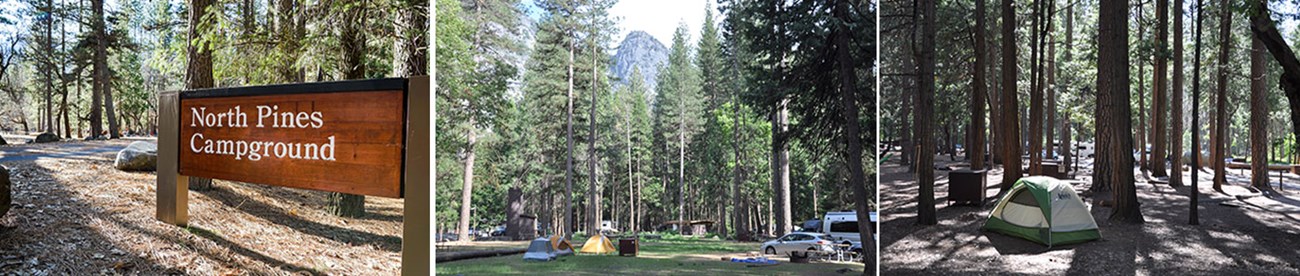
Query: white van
pixel 844 226
pixel 1086 150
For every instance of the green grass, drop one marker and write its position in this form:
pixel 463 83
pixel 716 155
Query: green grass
pixel 669 256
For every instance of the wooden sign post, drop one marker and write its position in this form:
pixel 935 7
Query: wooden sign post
pixel 366 137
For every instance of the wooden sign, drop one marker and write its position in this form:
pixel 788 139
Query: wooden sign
pixel 342 137
pixel 367 137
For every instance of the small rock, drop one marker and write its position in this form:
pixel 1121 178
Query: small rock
pixel 139 156
pixel 46 138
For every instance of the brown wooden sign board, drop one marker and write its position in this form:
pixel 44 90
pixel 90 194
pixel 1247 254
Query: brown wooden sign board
pixel 347 142
pixel 367 137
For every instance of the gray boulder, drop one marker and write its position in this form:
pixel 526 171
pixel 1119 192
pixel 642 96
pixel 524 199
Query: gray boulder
pixel 5 186
pixel 46 138
pixel 139 156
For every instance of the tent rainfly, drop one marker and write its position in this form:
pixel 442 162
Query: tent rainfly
pixel 544 249
pixel 598 244
pixel 1044 210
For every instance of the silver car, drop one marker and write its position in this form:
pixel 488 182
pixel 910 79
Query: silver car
pixel 798 241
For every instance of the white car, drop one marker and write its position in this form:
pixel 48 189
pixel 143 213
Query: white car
pixel 798 241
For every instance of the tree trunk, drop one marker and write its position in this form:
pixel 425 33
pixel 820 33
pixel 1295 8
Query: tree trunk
pixel 1160 105
pixel 1221 103
pixel 593 194
pixel 781 169
pixel 1176 104
pixel 993 98
pixel 923 122
pixel 681 170
pixel 568 164
pixel 1140 141
pixel 1114 166
pixel 849 113
pixel 1263 27
pixel 1036 91
pixel 98 71
pixel 1010 114
pixel 467 188
pixel 1258 116
pixel 1049 126
pixel 1193 217
pixel 742 213
pixel 198 74
pixel 354 67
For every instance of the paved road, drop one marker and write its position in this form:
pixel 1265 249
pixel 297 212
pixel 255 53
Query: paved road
pixel 18 150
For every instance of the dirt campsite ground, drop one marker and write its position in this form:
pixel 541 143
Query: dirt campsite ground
pixel 74 214
pixel 1255 236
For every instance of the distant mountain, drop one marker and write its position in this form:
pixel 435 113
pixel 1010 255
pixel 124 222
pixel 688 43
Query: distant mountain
pixel 639 50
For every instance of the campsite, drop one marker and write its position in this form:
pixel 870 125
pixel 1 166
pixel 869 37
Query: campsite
pixel 1094 137
pixel 655 124
pixel 663 256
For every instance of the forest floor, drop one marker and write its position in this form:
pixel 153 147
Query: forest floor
pixel 656 257
pixel 1250 236
pixel 74 214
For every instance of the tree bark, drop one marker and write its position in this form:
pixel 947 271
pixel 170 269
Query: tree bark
pixel 1266 31
pixel 1258 116
pixel 853 156
pixel 568 165
pixel 198 74
pixel 1193 217
pixel 1221 103
pixel 1050 86
pixel 1010 114
pixel 593 190
pixel 1140 141
pixel 1159 99
pixel 781 169
pixel 466 192
pixel 978 91
pixel 923 121
pixel 354 67
pixel 1036 92
pixel 1176 104
pixel 1114 166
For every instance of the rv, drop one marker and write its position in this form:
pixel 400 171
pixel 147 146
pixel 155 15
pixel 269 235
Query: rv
pixel 844 226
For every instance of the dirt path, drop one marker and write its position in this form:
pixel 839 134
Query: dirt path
pixel 74 214
pixel 1251 237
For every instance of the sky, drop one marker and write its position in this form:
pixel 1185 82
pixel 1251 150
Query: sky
pixel 659 18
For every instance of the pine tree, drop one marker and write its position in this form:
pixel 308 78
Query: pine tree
pixel 678 108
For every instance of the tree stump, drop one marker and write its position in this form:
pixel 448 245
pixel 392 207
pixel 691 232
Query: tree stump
pixel 200 184
pixel 347 205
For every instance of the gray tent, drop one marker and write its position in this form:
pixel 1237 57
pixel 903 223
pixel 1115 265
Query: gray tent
pixel 540 250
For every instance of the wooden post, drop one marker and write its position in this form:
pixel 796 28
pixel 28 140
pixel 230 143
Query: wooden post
pixel 173 188
pixel 415 210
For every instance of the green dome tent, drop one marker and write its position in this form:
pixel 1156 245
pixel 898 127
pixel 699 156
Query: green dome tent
pixel 1045 210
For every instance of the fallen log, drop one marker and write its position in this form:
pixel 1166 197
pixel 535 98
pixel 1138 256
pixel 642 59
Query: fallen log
pixel 462 255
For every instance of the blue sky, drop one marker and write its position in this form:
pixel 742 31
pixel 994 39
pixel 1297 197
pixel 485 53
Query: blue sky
pixel 659 18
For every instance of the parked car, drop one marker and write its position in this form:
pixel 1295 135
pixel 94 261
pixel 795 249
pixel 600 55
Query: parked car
pixel 798 241
pixel 499 231
pixel 447 237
